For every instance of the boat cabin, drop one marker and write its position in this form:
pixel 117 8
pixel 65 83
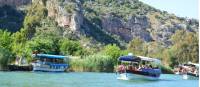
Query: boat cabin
pixel 47 62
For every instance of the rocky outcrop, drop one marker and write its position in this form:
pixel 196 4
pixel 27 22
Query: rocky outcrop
pixel 93 19
pixel 147 29
pixel 134 27
pixel 70 20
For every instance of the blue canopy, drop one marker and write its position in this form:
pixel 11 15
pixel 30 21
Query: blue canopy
pixel 129 58
pixel 49 56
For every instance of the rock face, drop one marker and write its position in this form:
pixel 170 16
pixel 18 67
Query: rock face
pixel 134 27
pixel 70 20
pixel 146 23
pixel 14 3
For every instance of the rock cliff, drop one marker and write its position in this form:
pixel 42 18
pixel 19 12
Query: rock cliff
pixel 105 19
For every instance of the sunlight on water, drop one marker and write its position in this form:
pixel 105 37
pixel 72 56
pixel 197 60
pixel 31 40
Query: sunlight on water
pixel 86 79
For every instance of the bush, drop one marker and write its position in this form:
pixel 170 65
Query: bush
pixel 113 51
pixel 5 58
pixel 166 69
pixel 5 39
pixel 69 47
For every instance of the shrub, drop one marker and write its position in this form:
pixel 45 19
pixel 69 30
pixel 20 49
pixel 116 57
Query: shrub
pixel 5 58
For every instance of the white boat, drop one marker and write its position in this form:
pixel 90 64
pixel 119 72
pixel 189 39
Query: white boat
pixel 49 63
pixel 192 71
pixel 130 72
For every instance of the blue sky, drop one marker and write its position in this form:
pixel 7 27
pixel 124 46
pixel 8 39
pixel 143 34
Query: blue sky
pixel 182 8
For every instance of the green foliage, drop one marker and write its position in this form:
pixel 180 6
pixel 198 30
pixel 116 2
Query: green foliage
pixel 137 47
pixel 42 45
pixel 5 39
pixel 185 47
pixel 155 49
pixel 35 14
pixel 91 63
pixel 166 69
pixel 5 57
pixel 69 47
pixel 19 45
pixel 113 51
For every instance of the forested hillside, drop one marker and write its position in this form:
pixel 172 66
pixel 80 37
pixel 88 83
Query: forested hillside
pixel 96 30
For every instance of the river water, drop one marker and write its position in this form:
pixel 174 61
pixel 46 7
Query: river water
pixel 86 79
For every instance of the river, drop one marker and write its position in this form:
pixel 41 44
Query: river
pixel 86 79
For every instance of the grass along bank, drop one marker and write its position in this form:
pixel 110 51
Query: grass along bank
pixel 92 63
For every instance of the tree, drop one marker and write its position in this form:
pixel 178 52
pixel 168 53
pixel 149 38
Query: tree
pixel 155 49
pixel 42 45
pixel 69 47
pixel 112 50
pixel 185 46
pixel 5 57
pixel 19 45
pixel 35 14
pixel 137 47
pixel 5 39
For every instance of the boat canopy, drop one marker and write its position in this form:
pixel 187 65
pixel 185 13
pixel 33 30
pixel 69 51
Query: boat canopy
pixel 49 56
pixel 129 58
pixel 195 64
pixel 149 59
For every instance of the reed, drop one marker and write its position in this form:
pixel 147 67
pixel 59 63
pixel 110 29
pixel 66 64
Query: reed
pixel 92 63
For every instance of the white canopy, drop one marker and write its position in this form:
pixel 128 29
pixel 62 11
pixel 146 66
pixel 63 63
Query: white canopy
pixel 197 65
pixel 149 59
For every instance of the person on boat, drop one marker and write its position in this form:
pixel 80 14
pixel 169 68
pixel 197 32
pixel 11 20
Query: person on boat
pixel 184 71
pixel 150 67
pixel 122 68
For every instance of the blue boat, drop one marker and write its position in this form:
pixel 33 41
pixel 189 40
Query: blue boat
pixel 49 63
pixel 138 67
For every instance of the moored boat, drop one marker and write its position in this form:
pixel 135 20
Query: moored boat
pixel 20 64
pixel 188 71
pixel 49 63
pixel 138 67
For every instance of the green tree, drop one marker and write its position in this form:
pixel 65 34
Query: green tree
pixel 137 47
pixel 155 49
pixel 42 45
pixel 19 45
pixel 5 39
pixel 5 57
pixel 35 14
pixel 69 47
pixel 112 50
pixel 185 46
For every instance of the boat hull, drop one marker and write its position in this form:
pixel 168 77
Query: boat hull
pixel 131 76
pixel 189 77
pixel 48 68
pixel 20 68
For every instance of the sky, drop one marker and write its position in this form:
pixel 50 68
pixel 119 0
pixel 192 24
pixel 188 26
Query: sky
pixel 181 8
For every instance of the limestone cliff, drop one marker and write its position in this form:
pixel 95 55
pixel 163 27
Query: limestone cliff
pixel 112 21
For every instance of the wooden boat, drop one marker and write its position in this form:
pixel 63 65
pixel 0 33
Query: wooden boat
pixel 131 69
pixel 14 67
pixel 49 63
pixel 20 65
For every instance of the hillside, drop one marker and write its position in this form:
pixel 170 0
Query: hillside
pixel 87 26
pixel 112 21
